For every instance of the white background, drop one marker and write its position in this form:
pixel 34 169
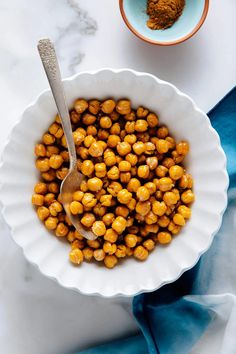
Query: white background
pixel 36 315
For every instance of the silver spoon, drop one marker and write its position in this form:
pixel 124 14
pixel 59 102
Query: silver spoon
pixel 72 181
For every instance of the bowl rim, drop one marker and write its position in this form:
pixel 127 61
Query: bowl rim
pixel 160 43
pixel 141 289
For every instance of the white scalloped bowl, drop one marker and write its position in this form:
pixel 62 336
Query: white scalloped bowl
pixel 206 162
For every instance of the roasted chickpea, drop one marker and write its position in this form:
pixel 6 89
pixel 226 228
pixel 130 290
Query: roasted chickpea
pixel 93 243
pixel 122 211
pixel 141 125
pixel 110 261
pixel 133 185
pixel 123 107
pixel 130 127
pixel 99 210
pixel 124 196
pixel 186 181
pixel 87 167
pixel 108 219
pixel 182 148
pixel 52 150
pixel 177 157
pixel 110 158
pixel 76 208
pixel 62 173
pixel 55 208
pixel 151 187
pixel 49 176
pixel 184 211
pixel 40 150
pixel 83 186
pixel 125 177
pixel 94 184
pixel 96 149
pixel 187 196
pixel 164 237
pixel 91 130
pixel 88 200
pixel 130 117
pixel 143 194
pixel 176 172
pixel 123 148
pixel 51 223
pixel 132 159
pixel 143 171
pixel 42 164
pixel 159 208
pixel 82 152
pixel 139 148
pixel 37 199
pixel 124 166
pixel 113 173
pixel 120 251
pixel 61 230
pixel 119 224
pixel 115 129
pixel 89 119
pixel 143 208
pixel 162 146
pixel 163 221
pixel 113 140
pixel 149 148
pixel 99 228
pixel 48 139
pixel 43 213
pixel 165 184
pixel 109 248
pixel 80 105
pixel 40 188
pixel 149 244
pixel 108 106
pixel 161 171
pixel 78 138
pixel 152 162
pixel 114 188
pixel 87 253
pixel 76 256
pixel 152 120
pixel 94 106
pixel 100 170
pixel 140 253
pixel 88 219
pixel 170 198
pixel 162 132
pixel 130 138
pixel 88 140
pixel 173 228
pixel 111 235
pixel 179 219
pixel 150 218
pixel 106 200
pixel 152 228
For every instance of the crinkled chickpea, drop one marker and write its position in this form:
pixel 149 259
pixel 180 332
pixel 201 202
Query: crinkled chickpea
pixel 105 122
pixel 48 139
pixel 110 261
pixel 165 184
pixel 133 171
pixel 130 240
pixel 120 251
pixel 76 208
pixel 94 106
pixel 109 248
pixel 139 148
pixel 142 112
pixel 123 148
pixel 96 149
pixel 131 116
pixel 125 177
pixel 40 150
pixel 152 162
pixel 187 196
pixel 150 218
pixel 114 188
pixel 62 173
pixel 149 244
pixel 123 107
pixel 179 219
pixel 106 200
pixel 141 125
pixel 100 169
pixel 176 172
pixel 93 243
pixel 80 105
pixel 100 193
pixel 184 211
pixel 113 140
pixel 89 119
pixel 82 152
pixel 87 167
pixel 130 138
pixel 49 198
pixel 168 162
pixel 182 148
pixel 124 196
pixel 159 208
pixel 143 208
pixel 177 157
pixel 55 208
pixel 89 200
pixel 140 253
pixel 173 228
pixel 170 198
pixel 88 140
pixel 74 117
pixel 162 132
pixel 119 224
pixel 76 256
pixel 99 228
pixel 124 166
pixel 142 194
pixel 78 138
pixel 171 142
pixel 43 213
pixel 132 159
pixel 83 186
pixel 51 223
pixel 113 173
pixel 130 127
pixel 151 187
pixel 61 230
pixel 164 237
pixel 114 116
pixel 161 171
pixel 143 171
pixel 115 129
pixel 133 185
pixel 108 219
pixel 108 106
pixel 149 148
pixel 52 150
pixel 152 228
pixel 122 211
pixel 111 235
pixel 110 158
pixel 42 164
pixel 88 253
pixel 91 130
pixel 99 255
pixel 49 176
pixel 55 161
pixel 70 236
pixel 94 184
pixel 162 146
pixel 53 187
pixel 40 188
pixel 186 181
pixel 163 221
pixel 99 210
pixel 37 199
pixel 88 219
pixel 152 120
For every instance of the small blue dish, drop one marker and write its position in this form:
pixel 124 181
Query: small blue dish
pixel 192 18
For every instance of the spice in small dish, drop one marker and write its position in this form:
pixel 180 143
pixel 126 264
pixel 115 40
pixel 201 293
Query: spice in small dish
pixel 163 13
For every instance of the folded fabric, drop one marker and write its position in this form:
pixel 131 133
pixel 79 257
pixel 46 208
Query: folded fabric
pixel 197 313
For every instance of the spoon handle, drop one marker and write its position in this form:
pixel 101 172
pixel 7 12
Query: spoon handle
pixel 50 63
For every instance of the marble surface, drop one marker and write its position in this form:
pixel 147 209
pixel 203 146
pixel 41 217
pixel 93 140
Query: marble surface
pixel 37 316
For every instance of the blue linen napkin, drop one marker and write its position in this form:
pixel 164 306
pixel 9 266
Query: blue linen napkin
pixel 197 313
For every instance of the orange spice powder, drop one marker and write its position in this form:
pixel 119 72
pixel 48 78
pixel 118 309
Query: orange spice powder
pixel 163 13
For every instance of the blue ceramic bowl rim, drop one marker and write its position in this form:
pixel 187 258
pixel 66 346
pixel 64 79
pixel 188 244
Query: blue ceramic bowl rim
pixel 180 40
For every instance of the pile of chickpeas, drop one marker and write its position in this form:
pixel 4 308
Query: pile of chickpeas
pixel 136 193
